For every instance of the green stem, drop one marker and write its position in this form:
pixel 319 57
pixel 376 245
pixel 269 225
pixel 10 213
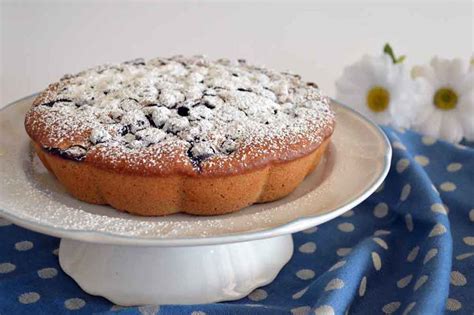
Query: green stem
pixel 389 51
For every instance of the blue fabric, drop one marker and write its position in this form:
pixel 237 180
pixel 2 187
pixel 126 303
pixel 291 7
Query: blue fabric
pixel 397 251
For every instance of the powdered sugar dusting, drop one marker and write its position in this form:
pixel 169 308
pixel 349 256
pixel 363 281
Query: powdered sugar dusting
pixel 195 109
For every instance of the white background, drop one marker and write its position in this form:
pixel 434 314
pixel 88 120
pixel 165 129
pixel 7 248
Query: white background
pixel 42 40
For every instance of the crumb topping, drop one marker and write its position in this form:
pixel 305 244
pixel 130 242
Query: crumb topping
pixel 203 109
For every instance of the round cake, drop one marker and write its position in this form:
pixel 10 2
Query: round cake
pixel 180 134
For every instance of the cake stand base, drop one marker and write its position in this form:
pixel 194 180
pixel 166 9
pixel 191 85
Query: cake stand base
pixel 134 275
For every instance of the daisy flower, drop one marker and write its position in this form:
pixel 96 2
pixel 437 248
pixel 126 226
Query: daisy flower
pixel 446 99
pixel 380 88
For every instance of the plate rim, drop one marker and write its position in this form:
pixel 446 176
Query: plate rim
pixel 293 226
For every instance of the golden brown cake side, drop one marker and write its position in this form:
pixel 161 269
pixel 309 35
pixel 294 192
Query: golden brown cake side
pixel 163 195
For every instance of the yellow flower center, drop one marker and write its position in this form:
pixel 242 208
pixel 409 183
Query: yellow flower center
pixel 445 99
pixel 378 99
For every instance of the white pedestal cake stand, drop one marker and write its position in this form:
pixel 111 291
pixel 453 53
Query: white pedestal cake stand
pixel 182 259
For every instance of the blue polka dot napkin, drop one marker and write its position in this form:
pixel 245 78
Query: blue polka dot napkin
pixel 408 249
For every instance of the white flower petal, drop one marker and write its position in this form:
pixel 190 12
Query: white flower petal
pixel 371 66
pixel 346 85
pixel 358 76
pixel 450 125
pixel 465 103
pixel 468 127
pixel 451 129
pixel 383 118
pixel 457 72
pixel 423 97
pixel 425 72
pixel 465 116
pixel 467 83
pixel 353 99
pixel 402 110
pixel 370 71
pixel 441 68
pixel 431 125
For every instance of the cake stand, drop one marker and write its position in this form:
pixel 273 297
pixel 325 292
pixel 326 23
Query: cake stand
pixel 183 259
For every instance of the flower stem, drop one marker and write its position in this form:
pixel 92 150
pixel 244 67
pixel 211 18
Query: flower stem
pixel 389 51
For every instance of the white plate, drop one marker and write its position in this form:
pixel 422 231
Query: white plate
pixel 356 163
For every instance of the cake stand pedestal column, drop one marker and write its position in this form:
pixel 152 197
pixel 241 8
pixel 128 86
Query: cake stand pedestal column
pixel 137 275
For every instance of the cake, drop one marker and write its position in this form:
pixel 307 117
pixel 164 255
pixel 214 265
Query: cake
pixel 180 134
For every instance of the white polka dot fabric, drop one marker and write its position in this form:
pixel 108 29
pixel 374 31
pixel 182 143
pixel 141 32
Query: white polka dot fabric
pixel 408 249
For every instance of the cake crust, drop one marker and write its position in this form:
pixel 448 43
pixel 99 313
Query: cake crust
pixel 165 195
pixel 180 134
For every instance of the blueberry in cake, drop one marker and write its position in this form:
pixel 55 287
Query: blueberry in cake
pixel 180 134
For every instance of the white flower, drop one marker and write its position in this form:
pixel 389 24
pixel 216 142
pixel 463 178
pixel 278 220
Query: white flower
pixel 446 99
pixel 379 89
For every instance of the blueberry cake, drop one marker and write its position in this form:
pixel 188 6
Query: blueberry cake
pixel 180 134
